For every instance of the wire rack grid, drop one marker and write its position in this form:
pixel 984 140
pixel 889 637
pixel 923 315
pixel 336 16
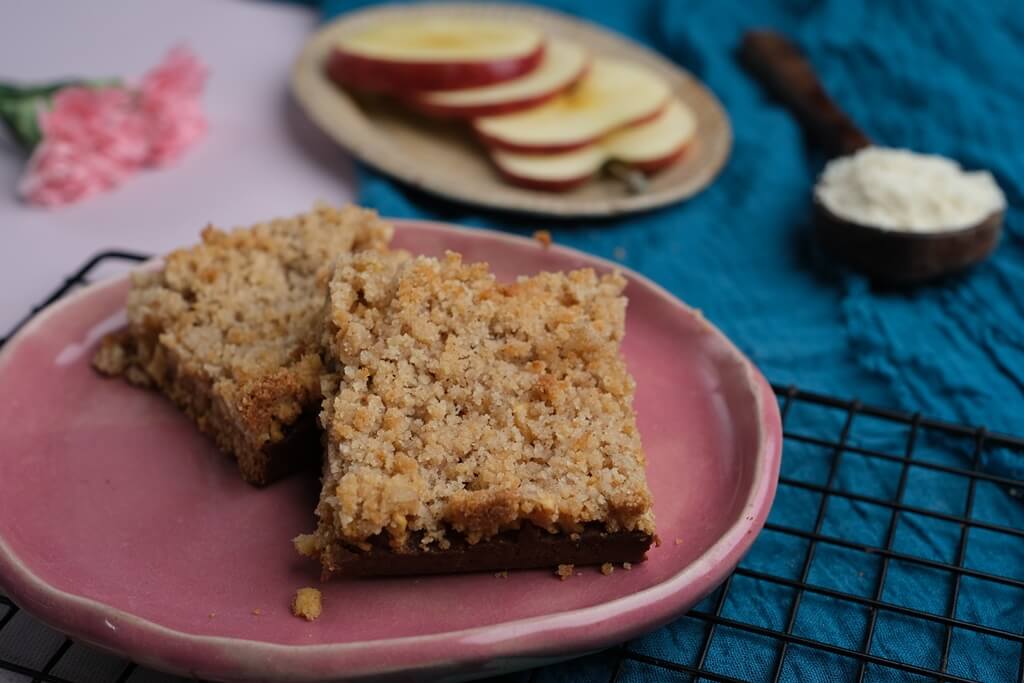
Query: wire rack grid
pixel 893 552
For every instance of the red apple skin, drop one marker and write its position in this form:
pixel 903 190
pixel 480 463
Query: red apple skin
pixel 441 111
pixel 499 143
pixel 397 77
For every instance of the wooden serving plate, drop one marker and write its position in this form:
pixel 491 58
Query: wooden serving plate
pixel 443 157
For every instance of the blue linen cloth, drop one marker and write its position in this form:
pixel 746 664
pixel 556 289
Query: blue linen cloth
pixel 944 77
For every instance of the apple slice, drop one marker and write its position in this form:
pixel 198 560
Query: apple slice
pixel 652 146
pixel 434 53
pixel 611 95
pixel 648 147
pixel 563 65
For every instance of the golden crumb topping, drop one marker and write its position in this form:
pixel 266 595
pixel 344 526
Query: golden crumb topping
pixel 241 310
pixel 307 603
pixel 459 403
pixel 307 545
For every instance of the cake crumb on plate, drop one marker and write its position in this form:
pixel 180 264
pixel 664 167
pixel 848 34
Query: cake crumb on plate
pixel 544 237
pixel 501 575
pixel 564 571
pixel 627 566
pixel 306 545
pixel 607 568
pixel 308 603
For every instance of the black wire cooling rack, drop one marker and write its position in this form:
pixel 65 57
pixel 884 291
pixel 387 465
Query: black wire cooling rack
pixel 784 650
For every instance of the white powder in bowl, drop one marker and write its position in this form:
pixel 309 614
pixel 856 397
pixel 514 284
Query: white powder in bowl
pixel 897 189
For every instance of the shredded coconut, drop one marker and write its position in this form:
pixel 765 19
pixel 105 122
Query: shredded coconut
pixel 896 189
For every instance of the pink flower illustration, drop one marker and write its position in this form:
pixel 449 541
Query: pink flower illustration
pixel 93 138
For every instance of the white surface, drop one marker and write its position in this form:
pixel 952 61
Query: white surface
pixel 260 158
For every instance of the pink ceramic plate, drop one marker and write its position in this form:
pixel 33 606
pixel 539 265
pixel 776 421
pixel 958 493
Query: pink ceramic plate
pixel 122 526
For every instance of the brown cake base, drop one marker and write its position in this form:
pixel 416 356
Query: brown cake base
pixel 144 363
pixel 526 548
pixel 300 449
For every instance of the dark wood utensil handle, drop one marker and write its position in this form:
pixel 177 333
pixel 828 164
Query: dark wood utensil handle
pixel 783 69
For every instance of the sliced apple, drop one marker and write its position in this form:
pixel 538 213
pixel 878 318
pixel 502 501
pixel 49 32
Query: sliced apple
pixel 611 95
pixel 563 65
pixel 434 53
pixel 648 147
pixel 652 146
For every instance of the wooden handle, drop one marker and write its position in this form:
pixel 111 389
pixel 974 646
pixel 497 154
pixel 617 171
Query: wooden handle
pixel 787 74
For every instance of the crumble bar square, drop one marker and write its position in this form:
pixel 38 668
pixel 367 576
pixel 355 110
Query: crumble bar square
pixel 473 425
pixel 229 330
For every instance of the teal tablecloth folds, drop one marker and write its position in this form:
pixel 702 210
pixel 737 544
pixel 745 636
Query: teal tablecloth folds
pixel 942 76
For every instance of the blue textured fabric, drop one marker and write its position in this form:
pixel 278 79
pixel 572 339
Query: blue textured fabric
pixel 941 77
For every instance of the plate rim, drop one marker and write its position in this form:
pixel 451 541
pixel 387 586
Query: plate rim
pixel 305 83
pixel 150 643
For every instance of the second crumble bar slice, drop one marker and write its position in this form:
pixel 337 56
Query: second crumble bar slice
pixel 473 425
pixel 229 330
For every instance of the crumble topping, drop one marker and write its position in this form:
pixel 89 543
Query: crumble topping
pixel 239 312
pixel 454 402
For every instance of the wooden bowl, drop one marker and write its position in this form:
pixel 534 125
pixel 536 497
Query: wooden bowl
pixel 443 157
pixel 897 257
